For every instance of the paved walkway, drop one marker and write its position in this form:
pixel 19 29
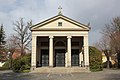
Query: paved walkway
pixel 102 75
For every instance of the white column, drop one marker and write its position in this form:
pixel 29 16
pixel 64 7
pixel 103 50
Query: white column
pixel 66 58
pixel 69 51
pixel 33 58
pixel 81 59
pixel 86 51
pixel 51 51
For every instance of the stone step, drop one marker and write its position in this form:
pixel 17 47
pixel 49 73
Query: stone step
pixel 60 70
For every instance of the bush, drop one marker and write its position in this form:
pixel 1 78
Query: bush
pixel 105 64
pixel 5 66
pixel 95 59
pixel 22 63
pixel 25 67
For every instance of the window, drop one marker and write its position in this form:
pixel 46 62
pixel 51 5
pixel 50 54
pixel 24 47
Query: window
pixel 59 23
pixel 75 43
pixel 44 43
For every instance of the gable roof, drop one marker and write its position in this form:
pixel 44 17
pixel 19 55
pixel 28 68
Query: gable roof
pixel 59 16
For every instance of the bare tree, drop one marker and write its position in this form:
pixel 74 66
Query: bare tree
pixel 23 34
pixel 12 46
pixel 104 46
pixel 112 31
pixel 12 43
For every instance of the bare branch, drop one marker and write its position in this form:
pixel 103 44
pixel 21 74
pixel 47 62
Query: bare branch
pixel 23 34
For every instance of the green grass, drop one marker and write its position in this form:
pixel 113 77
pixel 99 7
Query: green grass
pixel 4 68
pixel 96 70
pixel 25 71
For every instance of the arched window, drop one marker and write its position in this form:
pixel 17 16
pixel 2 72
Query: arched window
pixel 59 43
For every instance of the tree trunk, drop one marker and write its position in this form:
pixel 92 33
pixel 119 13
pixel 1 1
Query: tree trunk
pixel 22 50
pixel 10 61
pixel 108 62
pixel 118 58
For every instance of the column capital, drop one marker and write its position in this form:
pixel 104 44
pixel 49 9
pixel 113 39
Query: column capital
pixel 51 36
pixel 34 36
pixel 85 36
pixel 69 36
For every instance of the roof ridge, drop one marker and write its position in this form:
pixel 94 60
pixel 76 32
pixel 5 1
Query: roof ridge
pixel 59 16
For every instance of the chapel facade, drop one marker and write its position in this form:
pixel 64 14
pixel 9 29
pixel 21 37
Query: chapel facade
pixel 59 43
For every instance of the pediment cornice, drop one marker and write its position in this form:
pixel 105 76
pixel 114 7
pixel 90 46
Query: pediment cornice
pixel 59 16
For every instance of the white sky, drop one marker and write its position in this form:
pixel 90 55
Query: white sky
pixel 97 12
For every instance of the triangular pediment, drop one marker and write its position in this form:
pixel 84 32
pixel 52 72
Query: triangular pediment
pixel 52 24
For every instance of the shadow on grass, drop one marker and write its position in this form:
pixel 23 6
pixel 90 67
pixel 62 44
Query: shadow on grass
pixel 10 75
pixel 102 75
pixel 112 74
pixel 112 77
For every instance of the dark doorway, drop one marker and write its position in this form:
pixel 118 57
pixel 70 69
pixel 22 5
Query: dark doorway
pixel 59 57
pixel 75 57
pixel 45 57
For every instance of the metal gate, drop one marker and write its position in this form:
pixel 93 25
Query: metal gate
pixel 45 57
pixel 59 57
pixel 75 57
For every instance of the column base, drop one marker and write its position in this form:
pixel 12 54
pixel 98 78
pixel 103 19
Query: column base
pixel 68 66
pixel 87 67
pixel 33 68
pixel 50 66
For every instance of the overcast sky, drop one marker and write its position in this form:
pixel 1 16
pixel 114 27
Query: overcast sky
pixel 97 12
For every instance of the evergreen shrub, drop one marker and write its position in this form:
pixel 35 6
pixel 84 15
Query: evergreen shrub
pixel 22 63
pixel 95 59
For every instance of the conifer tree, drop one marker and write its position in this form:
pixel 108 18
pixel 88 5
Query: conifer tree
pixel 2 36
pixel 2 44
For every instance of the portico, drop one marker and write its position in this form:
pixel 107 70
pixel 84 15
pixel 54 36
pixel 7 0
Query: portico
pixel 59 42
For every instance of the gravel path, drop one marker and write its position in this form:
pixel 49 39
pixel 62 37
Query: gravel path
pixel 101 75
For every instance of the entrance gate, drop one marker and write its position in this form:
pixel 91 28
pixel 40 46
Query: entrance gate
pixel 45 57
pixel 75 57
pixel 59 57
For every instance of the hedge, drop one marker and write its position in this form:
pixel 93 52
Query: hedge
pixel 95 59
pixel 5 66
pixel 22 64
